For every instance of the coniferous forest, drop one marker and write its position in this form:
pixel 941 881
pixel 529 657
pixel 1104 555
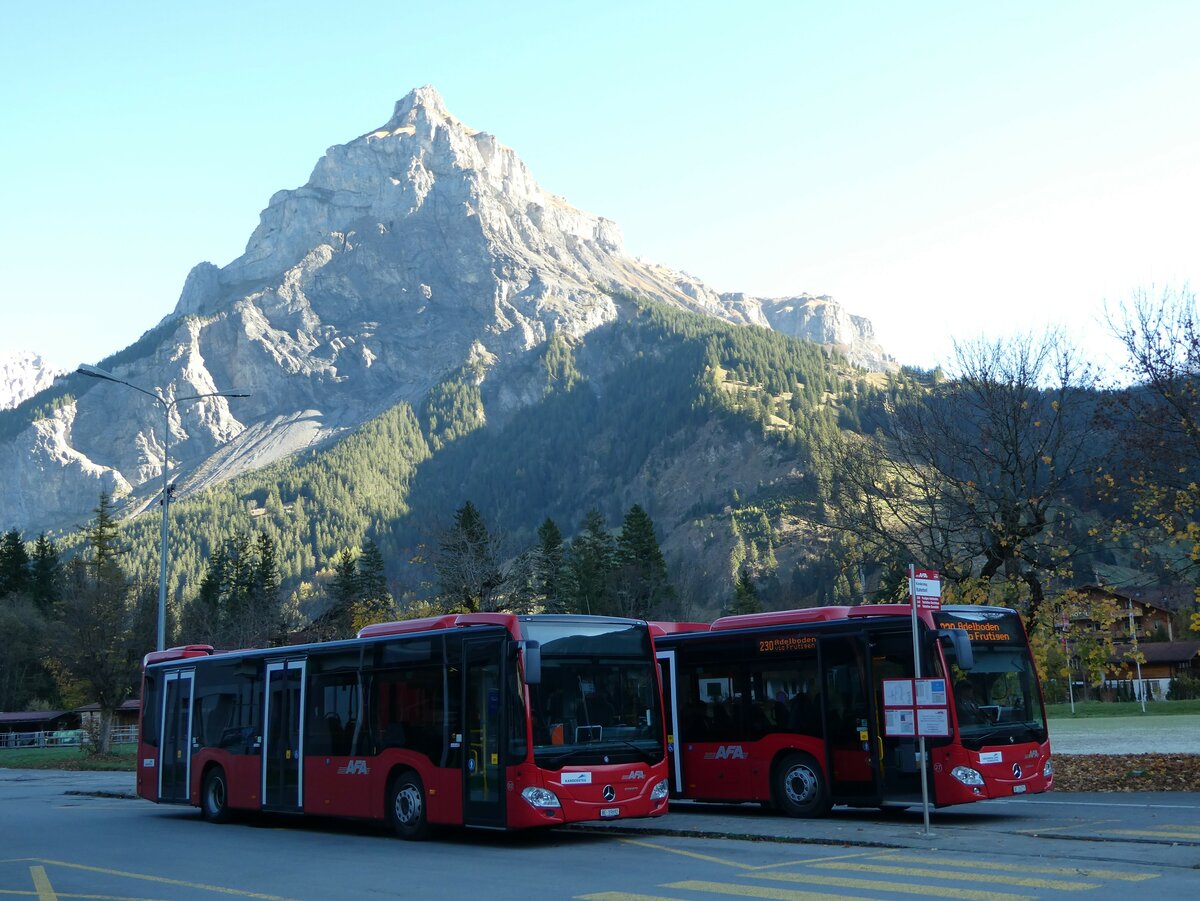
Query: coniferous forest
pixel 671 465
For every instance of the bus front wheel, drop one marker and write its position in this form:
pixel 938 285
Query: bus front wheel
pixel 214 796
pixel 406 807
pixel 799 788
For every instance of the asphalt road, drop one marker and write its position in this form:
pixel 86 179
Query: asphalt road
pixel 78 835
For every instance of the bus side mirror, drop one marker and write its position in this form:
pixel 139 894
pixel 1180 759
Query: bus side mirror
pixel 533 663
pixel 957 646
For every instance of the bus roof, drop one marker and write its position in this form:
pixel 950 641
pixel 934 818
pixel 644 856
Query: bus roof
pixel 445 621
pixel 179 653
pixel 806 615
pixel 658 627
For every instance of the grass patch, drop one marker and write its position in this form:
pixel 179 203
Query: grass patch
pixel 1123 708
pixel 123 758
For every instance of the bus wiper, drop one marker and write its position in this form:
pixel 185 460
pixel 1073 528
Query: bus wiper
pixel 599 748
pixel 1011 730
pixel 563 756
pixel 643 753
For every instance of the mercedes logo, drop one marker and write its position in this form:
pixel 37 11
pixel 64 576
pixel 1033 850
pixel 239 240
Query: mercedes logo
pixel 610 793
pixel 1016 771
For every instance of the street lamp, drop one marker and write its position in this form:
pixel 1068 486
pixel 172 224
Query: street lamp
pixel 160 398
pixel 1137 657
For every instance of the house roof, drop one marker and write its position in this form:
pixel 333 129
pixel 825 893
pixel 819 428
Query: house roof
pixel 32 716
pixel 131 704
pixel 1164 651
pixel 1170 599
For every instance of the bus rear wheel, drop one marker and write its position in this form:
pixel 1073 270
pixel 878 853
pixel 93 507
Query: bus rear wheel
pixel 214 797
pixel 799 788
pixel 406 807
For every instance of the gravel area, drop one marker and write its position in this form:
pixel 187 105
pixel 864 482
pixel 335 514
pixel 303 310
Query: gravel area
pixel 1126 735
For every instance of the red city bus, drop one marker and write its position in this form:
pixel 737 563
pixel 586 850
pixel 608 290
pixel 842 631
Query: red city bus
pixel 488 719
pixel 786 708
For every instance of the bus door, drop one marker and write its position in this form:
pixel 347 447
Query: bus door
pixel 666 667
pixel 175 744
pixel 483 708
pixel 283 719
pixel 900 779
pixel 851 737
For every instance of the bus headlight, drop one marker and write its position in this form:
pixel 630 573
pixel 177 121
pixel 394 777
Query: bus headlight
pixel 966 775
pixel 540 798
pixel 1048 769
pixel 659 791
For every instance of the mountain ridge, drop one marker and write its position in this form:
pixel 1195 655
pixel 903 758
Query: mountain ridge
pixel 413 250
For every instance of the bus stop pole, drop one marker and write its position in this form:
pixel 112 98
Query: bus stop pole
pixel 912 600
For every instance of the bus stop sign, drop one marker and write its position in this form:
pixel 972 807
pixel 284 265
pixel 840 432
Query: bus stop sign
pixel 926 589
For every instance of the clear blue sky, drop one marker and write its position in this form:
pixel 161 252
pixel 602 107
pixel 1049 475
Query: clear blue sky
pixel 945 169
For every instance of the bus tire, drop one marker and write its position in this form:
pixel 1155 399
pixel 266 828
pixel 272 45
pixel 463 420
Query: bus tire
pixel 214 797
pixel 798 786
pixel 406 807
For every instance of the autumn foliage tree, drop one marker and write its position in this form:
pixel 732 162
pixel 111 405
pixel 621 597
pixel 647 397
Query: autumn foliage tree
pixel 973 475
pixel 1156 421
pixel 104 624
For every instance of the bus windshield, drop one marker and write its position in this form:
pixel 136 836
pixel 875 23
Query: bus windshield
pixel 997 699
pixel 598 698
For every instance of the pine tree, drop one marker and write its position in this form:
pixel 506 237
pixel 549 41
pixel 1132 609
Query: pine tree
pixel 745 594
pixel 643 587
pixel 14 564
pixel 45 574
pixel 344 589
pixel 468 563
pixel 102 535
pixel 593 558
pixel 105 624
pixel 551 573
pixel 374 603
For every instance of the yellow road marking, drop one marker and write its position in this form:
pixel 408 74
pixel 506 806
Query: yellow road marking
pixel 759 891
pixel 743 866
pixel 692 854
pixel 882 885
pixel 77 895
pixel 41 882
pixel 812 860
pixel 622 896
pixel 1084 825
pixel 930 873
pixel 1193 834
pixel 203 886
pixel 1087 872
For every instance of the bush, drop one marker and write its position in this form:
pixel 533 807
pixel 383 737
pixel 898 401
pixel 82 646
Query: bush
pixel 1184 688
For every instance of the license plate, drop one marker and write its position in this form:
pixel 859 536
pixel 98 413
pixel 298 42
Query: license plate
pixel 610 811
pixel 1018 789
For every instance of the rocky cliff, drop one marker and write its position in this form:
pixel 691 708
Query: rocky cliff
pixel 416 248
pixel 22 375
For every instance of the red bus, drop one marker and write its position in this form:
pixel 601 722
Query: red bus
pixel 786 708
pixel 490 720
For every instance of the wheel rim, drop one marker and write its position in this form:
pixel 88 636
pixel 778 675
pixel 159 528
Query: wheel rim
pixel 408 805
pixel 216 795
pixel 800 784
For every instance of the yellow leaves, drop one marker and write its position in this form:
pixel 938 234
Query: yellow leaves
pixel 1047 459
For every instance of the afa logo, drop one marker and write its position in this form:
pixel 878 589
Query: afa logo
pixel 728 752
pixel 354 768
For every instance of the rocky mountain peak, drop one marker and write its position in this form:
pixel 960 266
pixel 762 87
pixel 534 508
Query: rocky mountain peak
pixel 412 251
pixel 423 102
pixel 22 375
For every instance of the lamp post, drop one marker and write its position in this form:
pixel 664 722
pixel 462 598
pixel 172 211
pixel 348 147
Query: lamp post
pixel 1136 657
pixel 160 398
